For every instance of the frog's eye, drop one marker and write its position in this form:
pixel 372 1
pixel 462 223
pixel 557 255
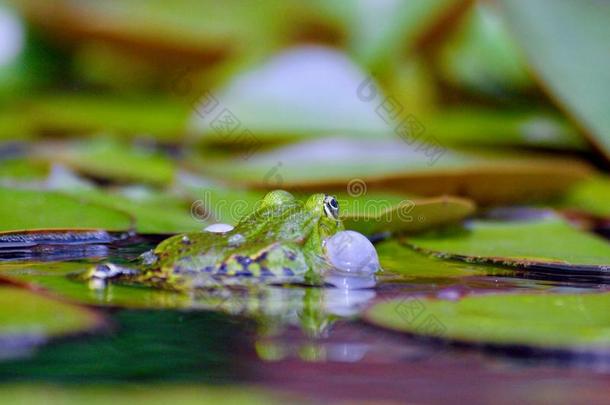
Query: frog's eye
pixel 331 206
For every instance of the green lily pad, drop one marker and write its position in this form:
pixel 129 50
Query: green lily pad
pixel 545 321
pixel 54 277
pixel 26 313
pixel 153 212
pixel 592 196
pixel 214 202
pixel 14 125
pixel 377 33
pixel 379 212
pixel 368 213
pixel 513 128
pixel 482 56
pixel 150 394
pixel 399 259
pixel 28 209
pixel 190 32
pixel 568 50
pixel 23 169
pixel 547 242
pixel 162 119
pixel 421 169
pixel 108 159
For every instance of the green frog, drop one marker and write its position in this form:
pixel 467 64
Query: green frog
pixel 282 240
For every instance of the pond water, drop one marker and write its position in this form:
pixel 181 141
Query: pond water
pixel 304 341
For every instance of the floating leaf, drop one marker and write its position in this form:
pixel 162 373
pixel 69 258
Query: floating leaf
pixel 549 321
pixel 29 316
pixel 24 239
pixel 23 169
pixel 399 259
pixel 189 32
pixel 108 159
pixel 364 212
pixel 14 125
pixel 55 277
pixel 155 394
pixel 513 128
pixel 378 212
pixel 378 32
pixel 592 196
pixel 153 212
pixel 27 209
pixel 566 43
pixel 548 242
pixel 421 169
pixel 79 113
pixel 482 56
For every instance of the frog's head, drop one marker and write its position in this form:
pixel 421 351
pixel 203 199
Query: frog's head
pixel 325 208
pixel 315 220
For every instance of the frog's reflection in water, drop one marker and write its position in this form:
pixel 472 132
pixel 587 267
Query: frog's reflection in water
pixel 280 310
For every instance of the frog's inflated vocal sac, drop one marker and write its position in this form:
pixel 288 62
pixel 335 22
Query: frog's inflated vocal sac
pixel 281 240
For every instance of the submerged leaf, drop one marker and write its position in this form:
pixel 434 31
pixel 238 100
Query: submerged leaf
pixel 549 321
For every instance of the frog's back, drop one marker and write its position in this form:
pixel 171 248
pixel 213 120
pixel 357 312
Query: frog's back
pixel 268 242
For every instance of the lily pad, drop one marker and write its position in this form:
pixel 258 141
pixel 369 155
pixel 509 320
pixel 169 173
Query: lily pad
pixel 482 56
pixel 153 212
pixel 592 196
pixel 28 209
pixel 191 28
pixel 364 212
pixel 108 159
pixel 399 259
pixel 378 32
pixel 545 321
pixel 23 169
pixel 23 239
pixel 421 169
pixel 513 128
pixel 151 394
pixel 26 314
pixel 162 119
pixel 379 212
pixel 549 242
pixel 568 50
pixel 55 277
pixel 14 125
